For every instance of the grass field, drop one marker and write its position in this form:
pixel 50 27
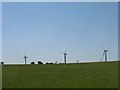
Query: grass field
pixel 82 75
pixel 0 77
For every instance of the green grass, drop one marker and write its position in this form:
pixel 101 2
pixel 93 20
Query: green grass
pixel 83 75
pixel 0 76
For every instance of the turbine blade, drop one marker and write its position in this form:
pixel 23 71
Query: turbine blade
pixel 103 53
pixel 109 49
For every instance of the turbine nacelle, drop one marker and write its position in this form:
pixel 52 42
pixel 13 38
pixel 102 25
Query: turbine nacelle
pixel 105 50
pixel 25 56
pixel 65 53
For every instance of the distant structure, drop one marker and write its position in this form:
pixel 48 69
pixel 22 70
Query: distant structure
pixel 65 54
pixel 77 61
pixel 55 62
pixel 25 57
pixel 105 54
pixel 100 60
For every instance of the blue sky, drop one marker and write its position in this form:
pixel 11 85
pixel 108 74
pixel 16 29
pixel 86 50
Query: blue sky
pixel 45 30
pixel 0 31
pixel 60 0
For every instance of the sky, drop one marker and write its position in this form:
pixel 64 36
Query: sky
pixel 60 0
pixel 45 30
pixel 0 31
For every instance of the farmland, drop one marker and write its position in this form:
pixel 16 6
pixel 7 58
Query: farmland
pixel 79 75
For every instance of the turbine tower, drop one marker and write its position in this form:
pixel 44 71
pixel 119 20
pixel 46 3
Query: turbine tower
pixel 65 54
pixel 25 57
pixel 105 54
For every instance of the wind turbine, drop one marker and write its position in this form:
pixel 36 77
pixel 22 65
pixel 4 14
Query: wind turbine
pixel 100 60
pixel 105 54
pixel 65 54
pixel 25 57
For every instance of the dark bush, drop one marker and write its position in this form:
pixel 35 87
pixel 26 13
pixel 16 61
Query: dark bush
pixel 32 62
pixel 51 63
pixel 47 63
pixel 2 63
pixel 39 62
